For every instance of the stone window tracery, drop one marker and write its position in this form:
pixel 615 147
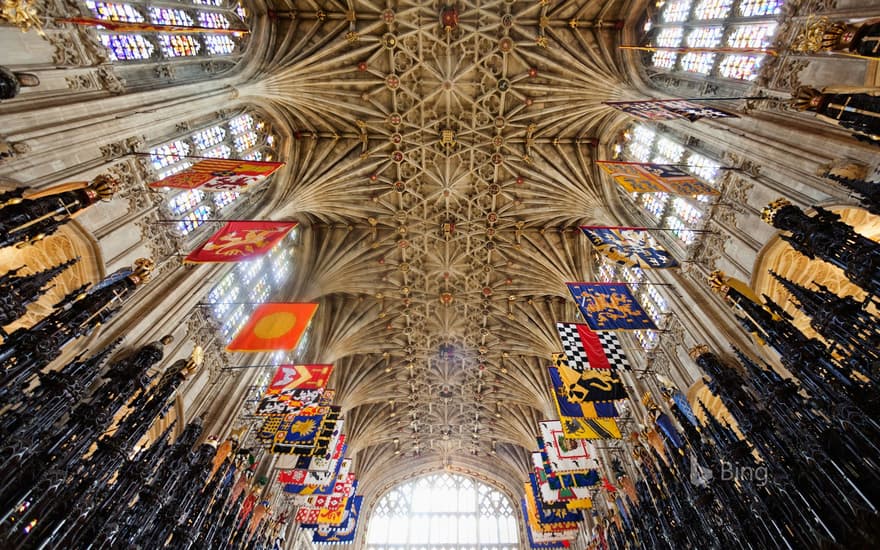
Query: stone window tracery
pixel 248 283
pixel 678 214
pixel 244 136
pixel 153 44
pixel 443 511
pixel 651 300
pixel 713 24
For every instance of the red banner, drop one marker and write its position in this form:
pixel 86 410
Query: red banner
pixel 239 241
pixel 305 377
pixel 273 327
pixel 220 175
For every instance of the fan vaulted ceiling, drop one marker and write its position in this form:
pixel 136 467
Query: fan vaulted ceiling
pixel 441 160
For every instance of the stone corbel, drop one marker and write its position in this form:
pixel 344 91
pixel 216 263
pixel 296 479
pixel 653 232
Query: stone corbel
pixel 131 176
pixel 11 149
pixel 117 149
pixel 159 237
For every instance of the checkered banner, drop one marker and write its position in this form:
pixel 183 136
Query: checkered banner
pixel 587 349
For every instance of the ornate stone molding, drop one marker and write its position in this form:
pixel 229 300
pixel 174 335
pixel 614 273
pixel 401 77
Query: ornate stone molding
pixel 164 71
pixel 159 237
pixel 117 149
pixel 708 250
pixel 109 80
pixel 203 330
pixel 131 175
pixel 781 73
pixel 11 149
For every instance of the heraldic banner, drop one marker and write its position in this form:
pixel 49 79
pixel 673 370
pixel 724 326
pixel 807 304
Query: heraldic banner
pixel 220 175
pixel 239 241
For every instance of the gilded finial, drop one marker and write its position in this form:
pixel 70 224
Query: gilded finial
pixel 104 186
pixel 769 212
pixel 805 98
pixel 698 350
pixel 142 269
pixel 718 282
pixel 195 361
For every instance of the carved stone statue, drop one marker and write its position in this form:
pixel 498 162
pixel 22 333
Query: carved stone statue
pixel 11 83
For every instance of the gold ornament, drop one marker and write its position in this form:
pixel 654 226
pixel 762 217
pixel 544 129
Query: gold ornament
pixel 105 186
pixel 769 212
pixel 22 14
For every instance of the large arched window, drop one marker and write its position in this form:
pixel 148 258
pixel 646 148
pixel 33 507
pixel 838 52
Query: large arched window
pixel 648 295
pixel 142 44
pixel 745 25
pixel 443 511
pixel 250 283
pixel 244 136
pixel 680 215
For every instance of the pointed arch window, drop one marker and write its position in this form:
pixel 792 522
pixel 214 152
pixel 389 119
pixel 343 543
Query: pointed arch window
pixel 651 300
pixel 248 283
pixel 154 44
pixel 244 136
pixel 713 24
pixel 678 214
pixel 443 511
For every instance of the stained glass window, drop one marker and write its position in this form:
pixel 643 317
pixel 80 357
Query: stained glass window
pixel 712 9
pixel 685 211
pixel 680 230
pixel 654 203
pixel 109 11
pixel 640 141
pixel 245 141
pixel 213 20
pixel 193 220
pixel 235 297
pixel 140 45
pixel 127 47
pixel 668 151
pixel 179 45
pixel 185 201
pixel 648 296
pixel 698 62
pixel 669 37
pixel 741 67
pixel 664 59
pixel 702 167
pixel 756 8
pixel 705 37
pixel 676 10
pixel 241 124
pixel 215 141
pixel 680 214
pixel 209 137
pixel 168 16
pixel 169 153
pixel 442 512
pixel 224 198
pixel 222 151
pixel 219 44
pixel 752 36
pixel 713 24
